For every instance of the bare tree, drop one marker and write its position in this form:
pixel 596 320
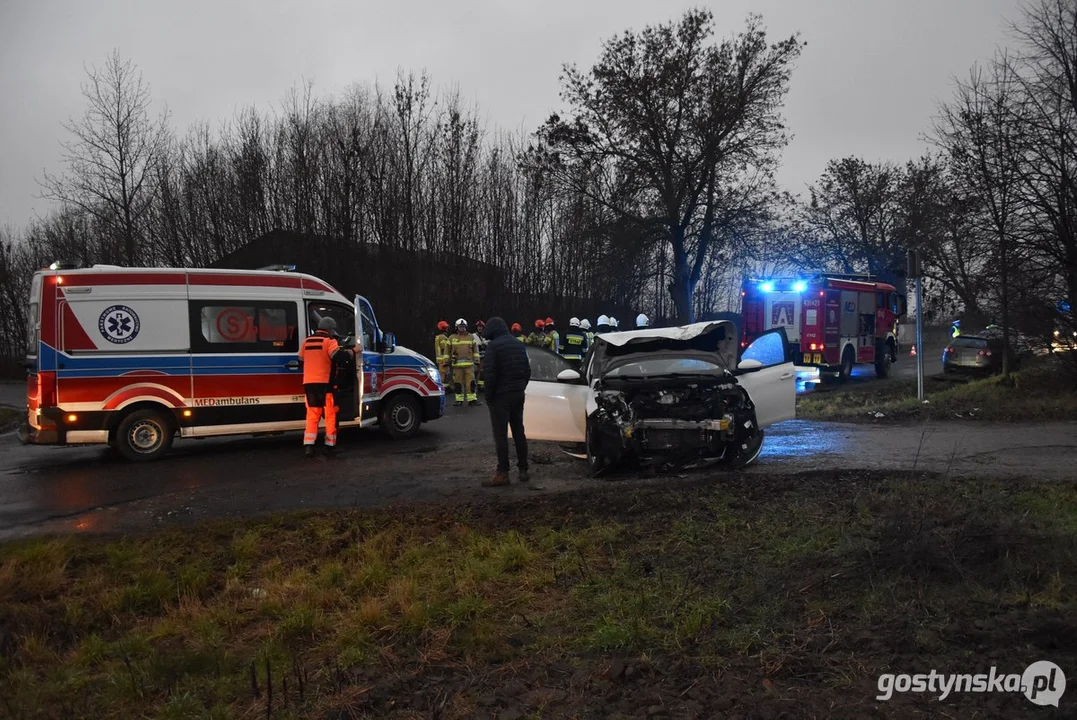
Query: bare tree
pixel 662 121
pixel 113 156
pixel 982 133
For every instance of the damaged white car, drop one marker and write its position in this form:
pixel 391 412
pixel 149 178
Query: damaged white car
pixel 663 396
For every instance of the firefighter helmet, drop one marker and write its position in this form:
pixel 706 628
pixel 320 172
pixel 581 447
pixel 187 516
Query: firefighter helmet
pixel 480 323
pixel 540 324
pixel 613 322
pixel 574 322
pixel 603 320
pixel 516 327
pixel 549 321
pixel 443 325
pixel 461 321
pixel 585 324
pixel 642 321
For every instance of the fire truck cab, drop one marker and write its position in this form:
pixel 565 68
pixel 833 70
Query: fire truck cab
pixel 133 357
pixel 833 321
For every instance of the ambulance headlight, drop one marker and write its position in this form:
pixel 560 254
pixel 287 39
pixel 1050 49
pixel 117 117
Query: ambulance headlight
pixel 434 373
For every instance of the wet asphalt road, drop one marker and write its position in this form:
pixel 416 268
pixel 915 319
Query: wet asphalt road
pixel 86 489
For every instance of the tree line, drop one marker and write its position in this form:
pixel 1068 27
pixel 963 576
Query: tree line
pixel 654 187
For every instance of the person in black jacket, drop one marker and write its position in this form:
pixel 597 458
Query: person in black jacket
pixel 507 371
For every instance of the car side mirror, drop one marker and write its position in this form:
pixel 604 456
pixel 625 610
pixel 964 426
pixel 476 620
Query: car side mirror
pixel 388 342
pixel 568 376
pixel 749 365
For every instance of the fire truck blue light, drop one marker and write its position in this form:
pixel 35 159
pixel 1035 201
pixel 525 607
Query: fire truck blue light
pixel 767 287
pixel 800 286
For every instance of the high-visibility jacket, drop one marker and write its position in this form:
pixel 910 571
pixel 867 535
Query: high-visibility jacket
pixel 536 338
pixel 316 353
pixel 463 350
pixel 590 338
pixel 574 345
pixel 553 341
pixel 441 347
pixel 520 337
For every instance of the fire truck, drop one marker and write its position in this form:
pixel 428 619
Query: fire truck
pixel 133 357
pixel 833 321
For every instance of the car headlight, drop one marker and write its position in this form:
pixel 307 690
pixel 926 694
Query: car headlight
pixel 434 374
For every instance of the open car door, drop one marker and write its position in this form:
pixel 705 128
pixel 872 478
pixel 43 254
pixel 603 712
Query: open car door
pixel 555 410
pixel 766 372
pixel 360 371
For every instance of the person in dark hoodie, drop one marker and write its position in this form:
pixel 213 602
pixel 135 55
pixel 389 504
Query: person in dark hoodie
pixel 507 371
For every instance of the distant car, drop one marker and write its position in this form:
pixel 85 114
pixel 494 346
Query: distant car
pixel 663 396
pixel 982 353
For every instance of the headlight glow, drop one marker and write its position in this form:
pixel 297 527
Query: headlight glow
pixel 434 374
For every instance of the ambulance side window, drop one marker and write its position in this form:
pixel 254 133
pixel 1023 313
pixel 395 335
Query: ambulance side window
pixel 244 326
pixel 342 314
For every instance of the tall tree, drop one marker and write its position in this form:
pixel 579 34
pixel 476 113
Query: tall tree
pixel 982 133
pixel 663 122
pixel 113 156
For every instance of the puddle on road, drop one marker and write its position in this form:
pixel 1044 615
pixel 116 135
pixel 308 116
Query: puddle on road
pixel 802 438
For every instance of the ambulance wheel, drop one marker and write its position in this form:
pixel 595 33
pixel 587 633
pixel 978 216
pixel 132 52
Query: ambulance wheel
pixel 145 435
pixel 401 417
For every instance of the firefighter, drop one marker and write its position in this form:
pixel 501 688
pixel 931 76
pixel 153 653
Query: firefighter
pixel 317 357
pixel 464 356
pixel 480 342
pixel 518 332
pixel 585 324
pixel 955 329
pixel 553 338
pixel 441 352
pixel 613 324
pixel 603 324
pixel 574 343
pixel 538 335
pixel 642 321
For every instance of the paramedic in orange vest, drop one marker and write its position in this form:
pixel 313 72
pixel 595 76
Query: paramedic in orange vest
pixel 316 354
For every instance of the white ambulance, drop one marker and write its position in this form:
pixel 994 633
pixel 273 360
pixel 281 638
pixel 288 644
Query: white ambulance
pixel 133 357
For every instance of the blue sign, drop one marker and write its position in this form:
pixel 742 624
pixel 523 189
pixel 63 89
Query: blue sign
pixel 118 324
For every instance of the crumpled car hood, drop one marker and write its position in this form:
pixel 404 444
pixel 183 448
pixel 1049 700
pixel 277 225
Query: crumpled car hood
pixel 718 337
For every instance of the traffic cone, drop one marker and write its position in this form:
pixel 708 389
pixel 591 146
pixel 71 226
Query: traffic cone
pixel 912 352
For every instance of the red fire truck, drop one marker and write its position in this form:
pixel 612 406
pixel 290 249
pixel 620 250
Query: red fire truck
pixel 832 321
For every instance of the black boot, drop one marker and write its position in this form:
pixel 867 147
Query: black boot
pixel 308 450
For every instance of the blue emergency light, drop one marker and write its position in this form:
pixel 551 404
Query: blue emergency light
pixel 800 286
pixel 768 286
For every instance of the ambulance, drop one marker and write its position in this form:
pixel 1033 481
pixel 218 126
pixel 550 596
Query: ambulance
pixel 133 357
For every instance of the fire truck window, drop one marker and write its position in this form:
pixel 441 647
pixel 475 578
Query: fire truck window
pixel 247 326
pixel 767 349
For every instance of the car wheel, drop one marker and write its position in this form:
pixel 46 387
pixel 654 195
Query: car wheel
pixel 746 452
pixel 401 418
pixel 145 435
pixel 596 462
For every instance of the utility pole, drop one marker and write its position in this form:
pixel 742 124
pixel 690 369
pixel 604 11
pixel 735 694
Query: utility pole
pixel 913 267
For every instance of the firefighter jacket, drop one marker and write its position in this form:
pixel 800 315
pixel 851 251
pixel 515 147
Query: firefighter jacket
pixel 553 341
pixel 480 343
pixel 441 347
pixel 574 345
pixel 521 337
pixel 590 338
pixel 316 353
pixel 536 338
pixel 463 350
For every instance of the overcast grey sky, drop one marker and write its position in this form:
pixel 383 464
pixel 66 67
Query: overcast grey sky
pixel 866 84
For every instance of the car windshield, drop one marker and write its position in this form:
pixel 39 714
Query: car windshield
pixel 969 342
pixel 644 367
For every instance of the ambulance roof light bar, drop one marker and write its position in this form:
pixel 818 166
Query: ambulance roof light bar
pixel 279 268
pixel 65 265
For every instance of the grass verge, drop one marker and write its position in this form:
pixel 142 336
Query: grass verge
pixel 1042 392
pixel 768 594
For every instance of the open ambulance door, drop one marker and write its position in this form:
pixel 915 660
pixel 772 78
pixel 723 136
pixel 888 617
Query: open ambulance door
pixel 351 400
